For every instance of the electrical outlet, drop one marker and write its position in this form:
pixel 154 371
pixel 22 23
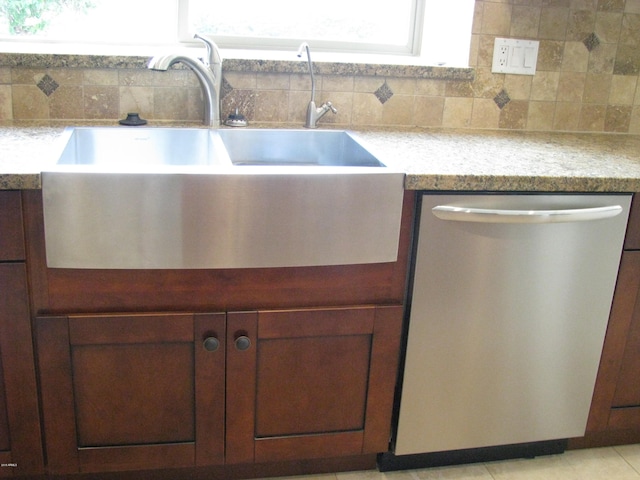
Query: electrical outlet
pixel 515 56
pixel 503 55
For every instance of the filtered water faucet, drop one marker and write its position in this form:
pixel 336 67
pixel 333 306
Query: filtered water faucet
pixel 314 113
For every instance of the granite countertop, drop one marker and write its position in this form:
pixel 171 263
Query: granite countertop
pixel 432 159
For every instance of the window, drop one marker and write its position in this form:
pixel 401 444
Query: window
pixel 428 31
pixel 338 25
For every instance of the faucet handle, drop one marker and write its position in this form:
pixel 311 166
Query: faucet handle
pixel 331 107
pixel 213 54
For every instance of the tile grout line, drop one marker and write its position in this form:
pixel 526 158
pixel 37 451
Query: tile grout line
pixel 615 449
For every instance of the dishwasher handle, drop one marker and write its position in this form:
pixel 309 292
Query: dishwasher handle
pixel 484 215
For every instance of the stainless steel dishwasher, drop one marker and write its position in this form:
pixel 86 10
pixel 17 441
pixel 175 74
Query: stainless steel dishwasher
pixel 508 311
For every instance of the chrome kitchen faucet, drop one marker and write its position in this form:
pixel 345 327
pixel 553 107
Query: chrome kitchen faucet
pixel 314 114
pixel 208 71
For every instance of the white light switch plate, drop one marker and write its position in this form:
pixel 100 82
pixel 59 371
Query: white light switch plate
pixel 515 56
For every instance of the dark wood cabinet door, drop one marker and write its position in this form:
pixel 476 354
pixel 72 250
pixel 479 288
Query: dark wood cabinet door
pixel 20 445
pixel 125 392
pixel 310 383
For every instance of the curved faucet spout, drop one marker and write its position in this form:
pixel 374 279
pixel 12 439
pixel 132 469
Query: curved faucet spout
pixel 305 46
pixel 313 113
pixel 209 75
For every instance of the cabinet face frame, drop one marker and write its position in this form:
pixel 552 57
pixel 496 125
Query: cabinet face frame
pixel 11 228
pixel 19 387
pixel 21 436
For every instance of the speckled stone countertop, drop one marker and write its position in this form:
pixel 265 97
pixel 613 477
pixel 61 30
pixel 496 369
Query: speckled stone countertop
pixel 432 159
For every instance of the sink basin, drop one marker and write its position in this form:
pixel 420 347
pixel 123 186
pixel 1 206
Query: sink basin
pixel 146 149
pixel 165 198
pixel 296 148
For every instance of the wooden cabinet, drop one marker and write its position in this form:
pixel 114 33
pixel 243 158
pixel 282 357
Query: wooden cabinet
pixel 144 391
pixel 20 447
pixel 301 372
pixel 615 410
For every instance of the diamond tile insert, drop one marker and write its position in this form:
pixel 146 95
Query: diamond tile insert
pixel 48 85
pixel 384 93
pixel 591 42
pixel 502 99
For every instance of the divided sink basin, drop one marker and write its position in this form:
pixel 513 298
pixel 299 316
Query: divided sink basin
pixel 191 198
pixel 138 149
pixel 296 148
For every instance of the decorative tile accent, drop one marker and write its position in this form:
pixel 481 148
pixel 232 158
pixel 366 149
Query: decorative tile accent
pixel 48 85
pixel 226 88
pixel 591 42
pixel 502 99
pixel 384 93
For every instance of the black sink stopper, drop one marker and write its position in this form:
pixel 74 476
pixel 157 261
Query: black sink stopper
pixel 133 120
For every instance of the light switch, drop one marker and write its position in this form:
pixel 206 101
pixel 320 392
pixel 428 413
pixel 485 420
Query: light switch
pixel 515 56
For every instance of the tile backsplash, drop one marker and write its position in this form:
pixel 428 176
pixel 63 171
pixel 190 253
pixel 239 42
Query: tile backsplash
pixel 586 80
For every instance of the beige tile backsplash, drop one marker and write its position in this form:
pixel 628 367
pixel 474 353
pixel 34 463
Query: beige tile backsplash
pixel 586 80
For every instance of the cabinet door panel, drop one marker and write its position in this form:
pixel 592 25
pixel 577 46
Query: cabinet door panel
pixel 121 392
pixel 133 394
pixel 312 385
pixel 312 393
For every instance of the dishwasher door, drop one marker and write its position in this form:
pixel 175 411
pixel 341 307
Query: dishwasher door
pixel 508 315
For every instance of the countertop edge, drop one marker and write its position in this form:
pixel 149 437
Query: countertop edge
pixel 433 160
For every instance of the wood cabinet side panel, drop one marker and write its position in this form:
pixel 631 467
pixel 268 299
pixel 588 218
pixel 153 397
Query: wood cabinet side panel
pixel 622 313
pixel 11 228
pixel 632 238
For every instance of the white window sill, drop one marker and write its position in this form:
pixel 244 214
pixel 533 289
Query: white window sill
pixel 52 55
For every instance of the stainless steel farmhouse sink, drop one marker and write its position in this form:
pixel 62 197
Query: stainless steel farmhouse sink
pixel 189 198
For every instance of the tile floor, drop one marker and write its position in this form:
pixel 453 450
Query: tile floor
pixel 611 463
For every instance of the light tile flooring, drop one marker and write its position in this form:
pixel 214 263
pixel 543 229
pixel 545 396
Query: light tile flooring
pixel 611 463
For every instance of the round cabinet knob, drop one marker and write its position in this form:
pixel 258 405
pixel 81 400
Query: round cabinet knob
pixel 211 344
pixel 243 342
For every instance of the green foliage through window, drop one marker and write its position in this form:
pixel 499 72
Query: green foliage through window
pixel 28 17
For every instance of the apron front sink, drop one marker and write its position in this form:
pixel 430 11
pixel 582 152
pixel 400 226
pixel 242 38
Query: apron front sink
pixel 181 203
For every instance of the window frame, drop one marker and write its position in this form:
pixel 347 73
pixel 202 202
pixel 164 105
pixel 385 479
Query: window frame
pixel 411 47
pixel 422 52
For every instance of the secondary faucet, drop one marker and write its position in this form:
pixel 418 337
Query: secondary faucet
pixel 314 114
pixel 208 71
